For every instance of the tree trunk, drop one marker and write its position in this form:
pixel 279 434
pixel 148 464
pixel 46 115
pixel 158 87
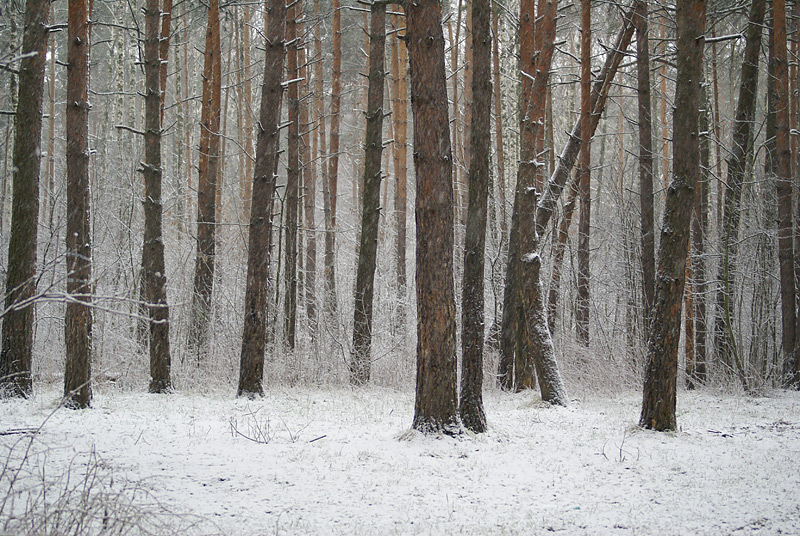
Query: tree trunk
pixel 558 255
pixel 658 403
pixel 166 29
pixel 254 336
pixel 360 363
pixel 18 317
pixel 513 373
pixel 584 174
pixel 400 127
pixel 154 278
pixel 472 302
pixel 207 179
pixel 333 164
pixel 645 158
pixel 436 405
pixel 783 182
pixel 741 149
pixel 291 202
pixel 78 319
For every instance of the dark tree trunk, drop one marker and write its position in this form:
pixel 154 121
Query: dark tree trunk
pixel 207 179
pixel 154 279
pixel 645 158
pixel 436 407
pixel 18 317
pixel 472 304
pixel 783 181
pixel 741 149
pixel 514 371
pixel 292 183
pixel 166 25
pixel 584 174
pixel 368 251
pixel 78 319
pixel 333 164
pixel 658 403
pixel 254 336
pixel 400 126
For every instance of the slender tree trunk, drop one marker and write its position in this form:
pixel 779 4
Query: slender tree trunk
pixel 472 303
pixel 291 201
pixel 254 337
pixel 207 183
pixel 783 181
pixel 78 319
pixel 154 278
pixel 333 163
pixel 18 317
pixel 436 405
pixel 741 149
pixel 699 231
pixel 584 173
pixel 47 198
pixel 309 194
pixel 498 126
pixel 400 118
pixel 558 255
pixel 645 158
pixel 248 116
pixel 166 29
pixel 658 402
pixel 360 363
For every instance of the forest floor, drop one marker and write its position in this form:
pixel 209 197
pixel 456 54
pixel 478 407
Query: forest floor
pixel 326 460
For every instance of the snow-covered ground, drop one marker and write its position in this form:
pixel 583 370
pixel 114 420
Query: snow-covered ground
pixel 313 460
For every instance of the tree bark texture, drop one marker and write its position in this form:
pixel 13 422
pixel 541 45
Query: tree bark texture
pixel 333 163
pixel 585 174
pixel 658 403
pixel 400 147
pixel 254 336
pixel 741 149
pixel 783 182
pixel 648 259
pixel 207 179
pixel 436 403
pixel 472 303
pixel 360 363
pixel 78 319
pixel 293 171
pixel 18 314
pixel 154 278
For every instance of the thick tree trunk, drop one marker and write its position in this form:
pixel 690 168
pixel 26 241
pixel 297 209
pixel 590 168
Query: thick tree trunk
pixel 78 319
pixel 658 403
pixel 154 278
pixel 783 182
pixel 291 202
pixel 584 174
pixel 472 304
pixel 330 302
pixel 207 184
pixel 648 261
pixel 18 313
pixel 360 363
pixel 741 149
pixel 436 405
pixel 254 336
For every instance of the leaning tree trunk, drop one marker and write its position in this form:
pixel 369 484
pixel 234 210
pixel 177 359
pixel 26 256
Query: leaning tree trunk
pixel 254 336
pixel 436 405
pixel 78 318
pixel 658 403
pixel 207 179
pixel 154 278
pixel 18 313
pixel 368 250
pixel 472 303
pixel 742 147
